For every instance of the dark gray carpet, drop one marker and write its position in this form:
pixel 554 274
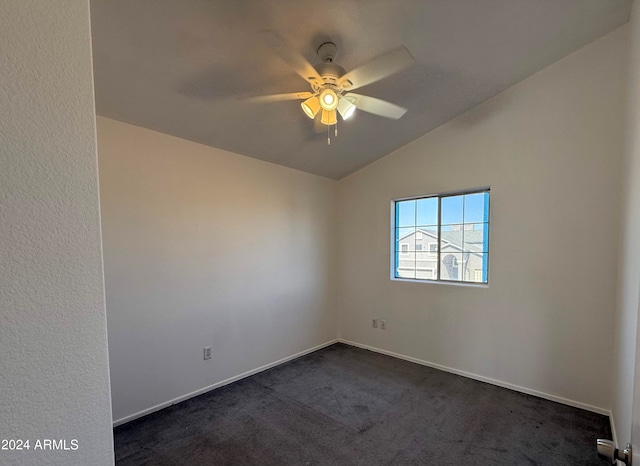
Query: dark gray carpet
pixel 347 406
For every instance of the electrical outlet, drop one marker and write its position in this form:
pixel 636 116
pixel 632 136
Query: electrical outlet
pixel 207 352
pixel 374 323
pixel 383 324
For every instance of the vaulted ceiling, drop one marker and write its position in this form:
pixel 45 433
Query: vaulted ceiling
pixel 178 67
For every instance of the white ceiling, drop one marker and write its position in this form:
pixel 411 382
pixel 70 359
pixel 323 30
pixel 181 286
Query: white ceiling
pixel 176 66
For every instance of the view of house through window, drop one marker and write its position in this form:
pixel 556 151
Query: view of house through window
pixel 442 237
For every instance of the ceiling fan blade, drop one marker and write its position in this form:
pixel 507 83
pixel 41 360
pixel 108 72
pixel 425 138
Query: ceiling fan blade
pixel 377 69
pixel 376 106
pixel 280 97
pixel 292 58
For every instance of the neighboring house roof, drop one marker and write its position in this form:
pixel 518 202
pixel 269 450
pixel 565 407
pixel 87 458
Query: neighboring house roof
pixel 471 237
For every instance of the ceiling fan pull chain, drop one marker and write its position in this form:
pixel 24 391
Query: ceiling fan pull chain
pixel 336 133
pixel 328 135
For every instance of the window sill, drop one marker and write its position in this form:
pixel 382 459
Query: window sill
pixel 441 282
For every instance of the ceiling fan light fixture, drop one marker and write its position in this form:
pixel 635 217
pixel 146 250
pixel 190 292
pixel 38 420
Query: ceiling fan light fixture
pixel 311 106
pixel 329 117
pixel 328 99
pixel 345 108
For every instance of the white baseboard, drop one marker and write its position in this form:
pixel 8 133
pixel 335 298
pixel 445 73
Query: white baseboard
pixel 499 383
pixel 174 401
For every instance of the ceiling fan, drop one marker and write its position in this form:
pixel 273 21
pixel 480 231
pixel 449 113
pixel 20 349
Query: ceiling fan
pixel 331 84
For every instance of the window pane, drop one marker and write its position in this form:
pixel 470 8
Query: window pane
pixel 405 271
pixel 427 211
pixel 476 208
pixel 406 213
pixel 475 238
pixel 452 267
pixel 424 236
pixel 426 273
pixel 427 262
pixel 477 266
pixel 405 239
pixel 451 239
pixel 452 209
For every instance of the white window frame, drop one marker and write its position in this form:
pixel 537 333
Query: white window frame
pixel 438 244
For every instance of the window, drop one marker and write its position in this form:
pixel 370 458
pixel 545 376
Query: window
pixel 455 230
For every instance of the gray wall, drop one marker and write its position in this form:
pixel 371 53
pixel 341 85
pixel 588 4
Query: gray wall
pixel 54 377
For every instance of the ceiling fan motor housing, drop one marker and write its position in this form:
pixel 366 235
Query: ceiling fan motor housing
pixel 327 52
pixel 330 72
pixel 327 68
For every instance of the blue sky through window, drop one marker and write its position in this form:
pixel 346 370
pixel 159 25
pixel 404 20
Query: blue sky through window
pixel 406 213
pixel 452 209
pixel 427 211
pixel 476 208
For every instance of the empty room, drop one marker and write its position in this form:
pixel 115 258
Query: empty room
pixel 278 232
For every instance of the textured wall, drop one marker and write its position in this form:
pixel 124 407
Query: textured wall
pixel 203 247
pixel 550 148
pixel 54 377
